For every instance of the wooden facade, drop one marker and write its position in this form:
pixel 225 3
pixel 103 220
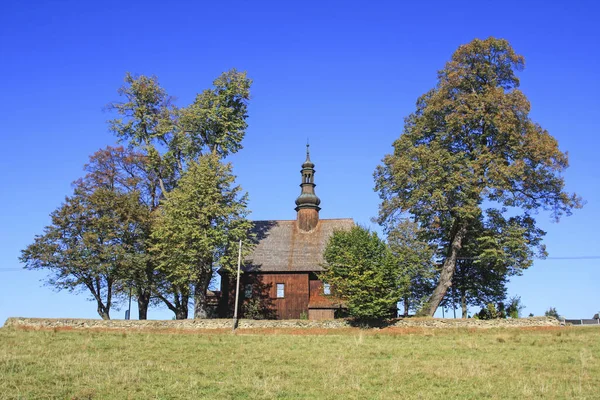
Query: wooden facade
pixel 303 296
pixel 294 303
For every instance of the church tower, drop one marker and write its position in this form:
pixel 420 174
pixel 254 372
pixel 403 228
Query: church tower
pixel 307 204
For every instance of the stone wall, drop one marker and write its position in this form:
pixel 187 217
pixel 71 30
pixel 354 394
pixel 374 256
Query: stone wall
pixel 199 324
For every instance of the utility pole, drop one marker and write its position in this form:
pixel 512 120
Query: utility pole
pixel 237 288
pixel 128 312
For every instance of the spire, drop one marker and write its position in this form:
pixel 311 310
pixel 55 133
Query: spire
pixel 308 164
pixel 307 204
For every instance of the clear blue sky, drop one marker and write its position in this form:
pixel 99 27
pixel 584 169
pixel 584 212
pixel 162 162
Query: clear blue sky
pixel 344 74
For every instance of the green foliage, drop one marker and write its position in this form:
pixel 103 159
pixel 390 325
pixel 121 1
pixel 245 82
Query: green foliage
pixel 199 226
pixel 169 140
pixel 514 307
pixel 126 170
pixel 414 257
pixel 551 312
pixel 257 308
pixel 171 137
pixel 100 238
pixel 363 272
pixel 469 142
pixel 216 121
pixel 489 312
pixel 501 310
pixel 493 251
pixel 92 241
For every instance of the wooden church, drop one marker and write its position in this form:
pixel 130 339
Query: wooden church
pixel 280 278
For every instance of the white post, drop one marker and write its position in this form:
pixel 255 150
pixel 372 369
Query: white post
pixel 237 288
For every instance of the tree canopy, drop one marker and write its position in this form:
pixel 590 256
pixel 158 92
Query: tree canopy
pixel 199 226
pixel 363 272
pixel 91 243
pixel 101 236
pixel 470 146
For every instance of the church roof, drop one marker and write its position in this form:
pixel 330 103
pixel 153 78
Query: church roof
pixel 282 247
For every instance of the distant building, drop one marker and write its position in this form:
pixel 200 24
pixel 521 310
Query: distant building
pixel 280 277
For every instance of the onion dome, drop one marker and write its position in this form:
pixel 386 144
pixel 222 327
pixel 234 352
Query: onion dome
pixel 308 198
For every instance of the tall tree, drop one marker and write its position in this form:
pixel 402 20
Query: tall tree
pixel 415 258
pixel 471 141
pixel 127 171
pixel 215 123
pixel 494 250
pixel 199 226
pixel 87 244
pixel 363 272
pixel 169 139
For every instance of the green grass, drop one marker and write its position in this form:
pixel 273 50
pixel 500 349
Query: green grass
pixel 352 364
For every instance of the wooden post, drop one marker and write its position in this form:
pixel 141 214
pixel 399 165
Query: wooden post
pixel 128 313
pixel 237 289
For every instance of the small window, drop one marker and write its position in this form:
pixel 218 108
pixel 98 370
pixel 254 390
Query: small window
pixel 248 291
pixel 326 289
pixel 280 290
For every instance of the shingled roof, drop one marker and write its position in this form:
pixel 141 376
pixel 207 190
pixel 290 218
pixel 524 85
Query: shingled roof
pixel 282 247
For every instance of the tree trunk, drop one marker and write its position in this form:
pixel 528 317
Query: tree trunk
pixel 200 301
pixel 103 312
pixel 406 305
pixel 179 305
pixel 463 305
pixel 182 312
pixel 143 300
pixel 447 272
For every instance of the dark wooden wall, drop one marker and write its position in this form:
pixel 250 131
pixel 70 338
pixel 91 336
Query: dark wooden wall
pixel 301 290
pixel 296 297
pixel 317 298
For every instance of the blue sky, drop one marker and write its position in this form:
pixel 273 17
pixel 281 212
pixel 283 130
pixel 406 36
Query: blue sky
pixel 343 74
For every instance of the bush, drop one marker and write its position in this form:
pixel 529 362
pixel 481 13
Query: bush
pixel 257 309
pixel 551 312
pixel 488 312
pixel 514 307
pixel 364 274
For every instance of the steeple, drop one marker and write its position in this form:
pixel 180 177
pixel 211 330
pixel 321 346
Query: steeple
pixel 307 204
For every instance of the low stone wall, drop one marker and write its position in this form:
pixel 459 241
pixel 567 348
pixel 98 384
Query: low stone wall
pixel 201 324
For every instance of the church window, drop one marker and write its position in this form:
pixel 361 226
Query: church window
pixel 280 290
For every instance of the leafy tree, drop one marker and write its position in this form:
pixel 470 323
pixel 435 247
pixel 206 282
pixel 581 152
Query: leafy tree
pixel 492 252
pixel 215 123
pixel 199 226
pixel 415 259
pixel 551 312
pixel 363 272
pixel 490 311
pixel 88 243
pixel 514 307
pixel 471 142
pixel 170 139
pixel 125 170
pixel 501 310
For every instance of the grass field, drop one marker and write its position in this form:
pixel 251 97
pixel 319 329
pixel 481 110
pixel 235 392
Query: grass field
pixel 337 364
